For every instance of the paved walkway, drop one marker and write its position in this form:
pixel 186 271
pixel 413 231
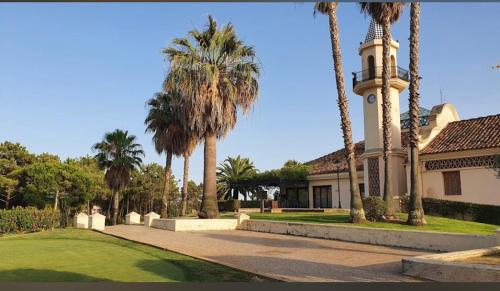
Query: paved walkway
pixel 283 257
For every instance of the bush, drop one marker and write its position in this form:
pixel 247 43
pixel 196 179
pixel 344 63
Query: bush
pixel 250 204
pixel 404 203
pixel 28 219
pixel 232 205
pixel 374 208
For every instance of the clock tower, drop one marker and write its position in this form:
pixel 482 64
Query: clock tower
pixel 368 84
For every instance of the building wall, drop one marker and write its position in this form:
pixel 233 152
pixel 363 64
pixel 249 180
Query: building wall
pixel 479 185
pixel 331 180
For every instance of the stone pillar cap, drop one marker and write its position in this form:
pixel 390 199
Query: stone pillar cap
pixel 152 214
pixel 81 214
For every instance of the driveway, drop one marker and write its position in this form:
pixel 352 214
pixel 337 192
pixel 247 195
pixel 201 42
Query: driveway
pixel 283 257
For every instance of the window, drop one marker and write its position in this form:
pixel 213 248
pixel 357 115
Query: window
pixel 322 196
pixel 297 198
pixel 452 184
pixel 371 68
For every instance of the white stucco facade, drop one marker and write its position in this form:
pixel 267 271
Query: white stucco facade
pixel 472 179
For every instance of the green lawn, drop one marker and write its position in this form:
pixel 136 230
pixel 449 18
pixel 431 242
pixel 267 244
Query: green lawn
pixel 434 223
pixel 84 255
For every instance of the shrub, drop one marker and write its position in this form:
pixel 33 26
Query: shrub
pixel 374 208
pixel 28 219
pixel 404 203
pixel 232 205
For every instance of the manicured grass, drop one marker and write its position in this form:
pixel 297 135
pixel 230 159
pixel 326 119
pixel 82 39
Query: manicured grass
pixel 434 223
pixel 84 255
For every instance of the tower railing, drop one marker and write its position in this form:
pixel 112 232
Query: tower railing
pixel 376 73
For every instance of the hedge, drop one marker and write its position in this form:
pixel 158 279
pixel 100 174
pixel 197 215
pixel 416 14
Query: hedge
pixel 459 210
pixel 229 205
pixel 250 204
pixel 28 219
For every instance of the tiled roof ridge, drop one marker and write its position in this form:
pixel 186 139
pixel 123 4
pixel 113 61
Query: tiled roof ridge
pixel 335 152
pixel 473 119
pixel 467 134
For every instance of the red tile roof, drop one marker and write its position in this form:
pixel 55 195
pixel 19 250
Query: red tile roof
pixel 477 133
pixel 326 164
pixel 470 134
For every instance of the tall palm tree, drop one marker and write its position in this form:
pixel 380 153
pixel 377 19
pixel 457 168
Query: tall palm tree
pixel 416 211
pixel 386 13
pixel 217 74
pixel 330 9
pixel 232 174
pixel 165 121
pixel 118 154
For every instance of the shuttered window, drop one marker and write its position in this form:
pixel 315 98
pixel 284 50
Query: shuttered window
pixel 452 184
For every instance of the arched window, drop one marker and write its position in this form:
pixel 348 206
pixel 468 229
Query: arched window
pixel 371 68
pixel 394 69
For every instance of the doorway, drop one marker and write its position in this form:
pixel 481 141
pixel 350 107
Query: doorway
pixel 322 196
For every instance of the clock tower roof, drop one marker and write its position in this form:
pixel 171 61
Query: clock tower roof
pixel 374 31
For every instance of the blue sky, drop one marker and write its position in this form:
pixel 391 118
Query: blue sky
pixel 70 72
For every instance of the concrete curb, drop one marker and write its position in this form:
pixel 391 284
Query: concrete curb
pixel 443 268
pixel 424 240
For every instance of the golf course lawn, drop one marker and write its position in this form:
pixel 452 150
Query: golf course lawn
pixel 434 223
pixel 84 255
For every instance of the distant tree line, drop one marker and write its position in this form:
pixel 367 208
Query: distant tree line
pixel 79 184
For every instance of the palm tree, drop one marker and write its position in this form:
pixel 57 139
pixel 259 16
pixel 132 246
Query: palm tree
pixel 232 175
pixel 416 211
pixel 386 13
pixel 217 74
pixel 330 8
pixel 191 142
pixel 165 121
pixel 118 154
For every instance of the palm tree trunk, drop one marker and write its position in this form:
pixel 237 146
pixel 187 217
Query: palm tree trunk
pixel 185 185
pixel 357 213
pixel 56 200
pixel 108 214
pixel 166 185
pixel 386 119
pixel 116 204
pixel 416 211
pixel 209 207
pixel 7 199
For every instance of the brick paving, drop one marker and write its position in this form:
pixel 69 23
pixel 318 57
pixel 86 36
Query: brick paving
pixel 282 257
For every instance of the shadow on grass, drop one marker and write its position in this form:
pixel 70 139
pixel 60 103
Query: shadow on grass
pixel 195 271
pixel 37 275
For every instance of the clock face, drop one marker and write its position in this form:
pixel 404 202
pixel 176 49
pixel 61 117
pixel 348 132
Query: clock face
pixel 370 98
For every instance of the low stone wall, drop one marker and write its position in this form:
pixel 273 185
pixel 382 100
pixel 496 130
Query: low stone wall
pixel 424 240
pixel 444 268
pixel 195 224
